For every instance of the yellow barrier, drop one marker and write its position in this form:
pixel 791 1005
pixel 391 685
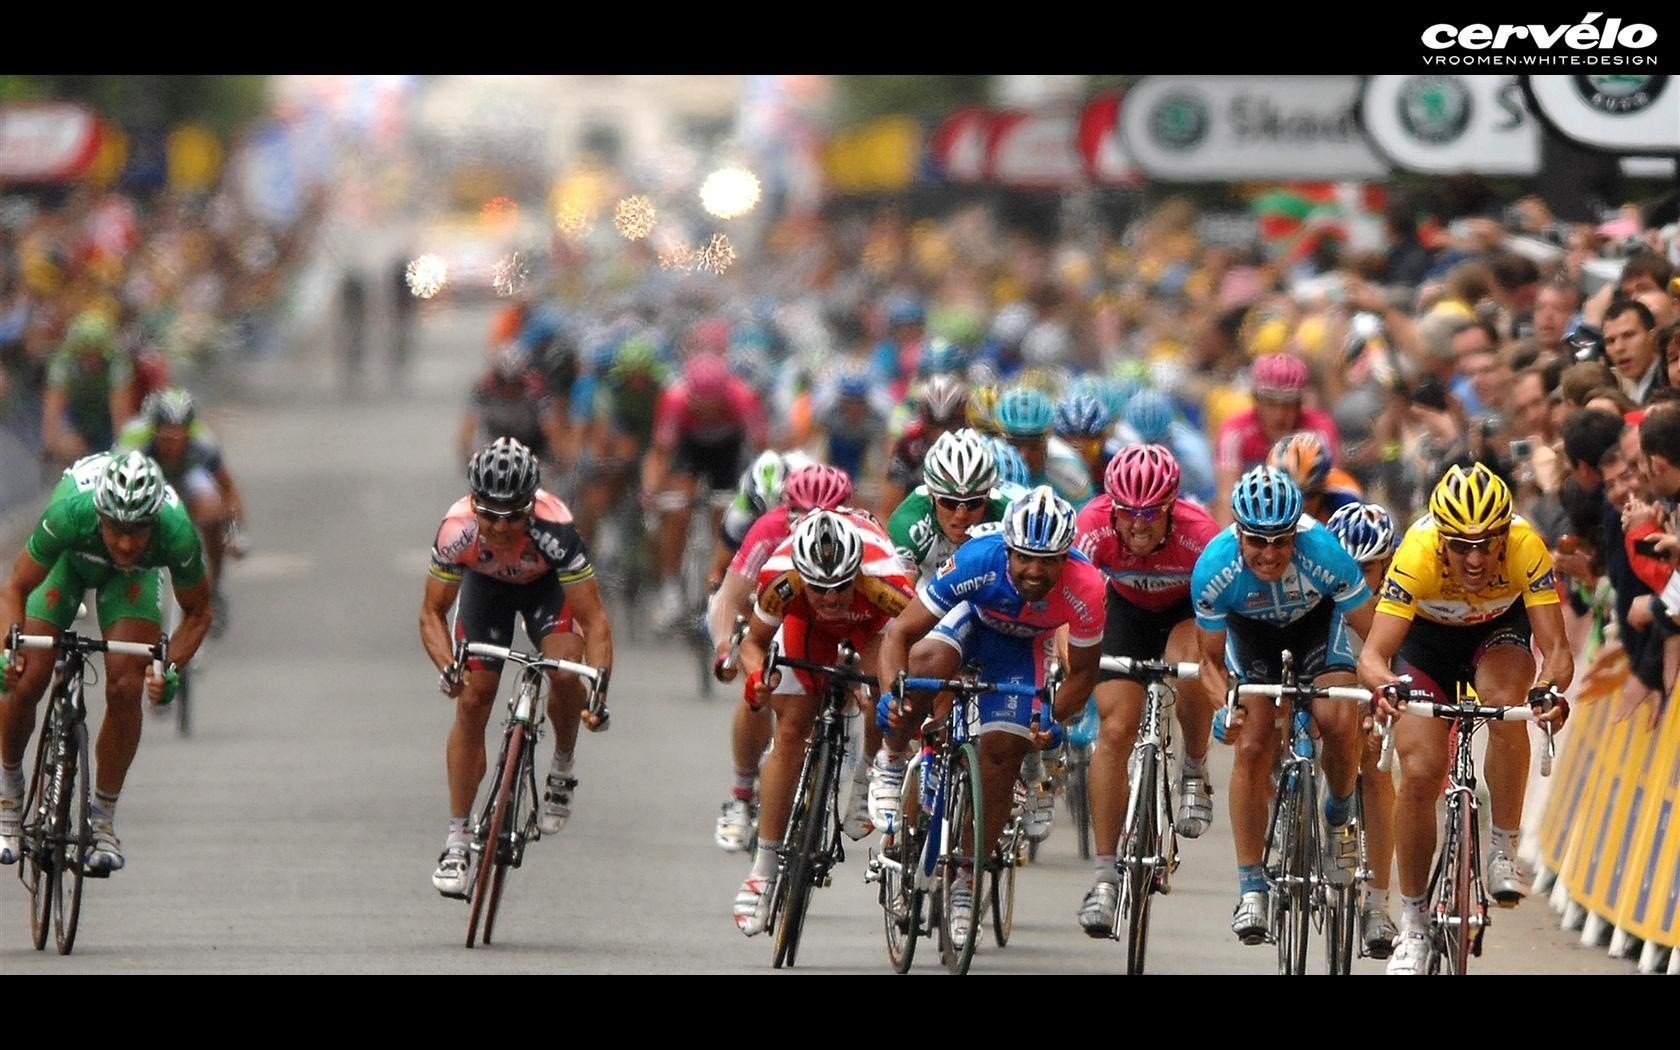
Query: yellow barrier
pixel 1609 830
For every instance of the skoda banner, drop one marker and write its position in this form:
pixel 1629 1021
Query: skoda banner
pixel 1620 113
pixel 1445 123
pixel 1214 129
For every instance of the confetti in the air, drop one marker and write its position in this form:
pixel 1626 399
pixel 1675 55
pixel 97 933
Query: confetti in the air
pixel 716 256
pixel 572 222
pixel 679 257
pixel 510 275
pixel 634 217
pixel 729 192
pixel 426 276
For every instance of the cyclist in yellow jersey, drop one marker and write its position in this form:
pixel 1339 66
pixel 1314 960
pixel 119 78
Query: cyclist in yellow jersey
pixel 1469 584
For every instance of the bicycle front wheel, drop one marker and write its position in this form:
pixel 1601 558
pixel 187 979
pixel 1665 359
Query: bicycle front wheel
pixel 490 851
pixel 965 830
pixel 1454 904
pixel 1142 850
pixel 805 842
pixel 1006 859
pixel 1078 797
pixel 41 862
pixel 74 821
pixel 1294 908
pixel 902 891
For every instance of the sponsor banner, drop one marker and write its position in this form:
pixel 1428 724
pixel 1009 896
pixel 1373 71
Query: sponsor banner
pixel 1623 41
pixel 958 148
pixel 1216 129
pixel 1106 160
pixel 1581 745
pixel 1035 150
pixel 1622 113
pixel 1446 123
pixel 1644 886
pixel 879 157
pixel 46 141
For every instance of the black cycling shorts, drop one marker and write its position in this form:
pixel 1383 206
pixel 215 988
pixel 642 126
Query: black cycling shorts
pixel 1130 630
pixel 719 462
pixel 1439 656
pixel 487 607
pixel 1259 646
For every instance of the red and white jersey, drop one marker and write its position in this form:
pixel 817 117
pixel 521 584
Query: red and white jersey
pixel 1243 442
pixel 550 543
pixel 737 412
pixel 1160 579
pixel 882 589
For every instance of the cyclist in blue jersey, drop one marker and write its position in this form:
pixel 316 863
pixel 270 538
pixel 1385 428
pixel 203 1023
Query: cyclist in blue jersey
pixel 1277 580
pixel 998 600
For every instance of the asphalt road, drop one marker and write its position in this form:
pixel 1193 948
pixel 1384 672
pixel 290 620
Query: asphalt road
pixel 297 829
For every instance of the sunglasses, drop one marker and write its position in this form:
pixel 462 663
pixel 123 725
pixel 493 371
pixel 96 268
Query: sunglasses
pixel 1459 546
pixel 953 503
pixel 1254 539
pixel 511 516
pixel 821 591
pixel 1142 514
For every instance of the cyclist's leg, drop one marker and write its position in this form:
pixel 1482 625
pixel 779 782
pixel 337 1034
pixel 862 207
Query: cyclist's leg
pixel 1421 746
pixel 1005 721
pixel 128 612
pixel 1256 651
pixel 204 504
pixel 1195 707
pixel 1119 705
pixel 485 613
pixel 17 723
pixel 1504 671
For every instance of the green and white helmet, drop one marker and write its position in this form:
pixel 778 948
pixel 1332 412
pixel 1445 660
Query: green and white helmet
pixel 171 407
pixel 769 474
pixel 130 490
pixel 959 464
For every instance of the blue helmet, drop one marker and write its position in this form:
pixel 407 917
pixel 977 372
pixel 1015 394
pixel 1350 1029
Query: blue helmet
pixel 1150 414
pixel 1082 416
pixel 853 381
pixel 1024 411
pixel 1039 523
pixel 1012 469
pixel 1266 501
pixel 1366 531
pixel 941 355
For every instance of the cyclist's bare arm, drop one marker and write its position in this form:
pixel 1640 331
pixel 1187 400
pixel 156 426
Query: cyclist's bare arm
pixel 584 597
pixel 232 502
pixel 123 403
pixel 195 621
pixel 1557 661
pixel 434 620
pixel 905 630
pixel 27 574
pixel 757 640
pixel 656 469
pixel 734 598
pixel 1214 678
pixel 54 435
pixel 1360 619
pixel 1387 632
pixel 554 428
pixel 1083 664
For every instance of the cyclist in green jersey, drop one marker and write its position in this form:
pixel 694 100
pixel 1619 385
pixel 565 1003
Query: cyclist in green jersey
pixel 111 524
pixel 90 389
pixel 958 492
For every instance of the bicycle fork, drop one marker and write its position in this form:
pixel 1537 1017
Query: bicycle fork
pixel 1154 736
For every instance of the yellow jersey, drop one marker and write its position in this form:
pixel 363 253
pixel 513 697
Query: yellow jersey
pixel 1419 584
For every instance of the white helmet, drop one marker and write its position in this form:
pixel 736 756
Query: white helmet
pixel 130 489
pixel 959 464
pixel 827 549
pixel 1040 523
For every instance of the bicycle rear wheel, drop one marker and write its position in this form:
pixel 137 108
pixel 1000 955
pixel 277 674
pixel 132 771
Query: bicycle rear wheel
pixel 1142 840
pixel 1294 909
pixel 74 822
pixel 1341 909
pixel 490 854
pixel 804 842
pixel 903 890
pixel 965 830
pixel 39 866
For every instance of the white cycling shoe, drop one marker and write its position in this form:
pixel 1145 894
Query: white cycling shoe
pixel 1411 954
pixel 453 877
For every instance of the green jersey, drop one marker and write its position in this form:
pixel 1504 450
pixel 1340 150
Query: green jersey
pixel 916 534
pixel 87 381
pixel 70 526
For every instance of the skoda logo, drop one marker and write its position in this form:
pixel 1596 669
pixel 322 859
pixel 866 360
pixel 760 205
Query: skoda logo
pixel 1435 110
pixel 1179 121
pixel 1620 93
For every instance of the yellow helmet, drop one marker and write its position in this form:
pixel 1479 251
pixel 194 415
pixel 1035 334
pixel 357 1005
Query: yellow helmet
pixel 1470 502
pixel 982 408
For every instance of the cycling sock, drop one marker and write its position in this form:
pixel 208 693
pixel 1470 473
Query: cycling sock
pixel 1251 878
pixel 104 806
pixel 1106 870
pixel 1337 811
pixel 745 781
pixel 1194 767
pixel 1504 841
pixel 458 833
pixel 1414 912
pixel 562 764
pixel 764 862
pixel 885 759
pixel 11 779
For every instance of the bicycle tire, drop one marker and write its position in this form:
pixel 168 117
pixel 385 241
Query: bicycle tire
pixel 800 871
pixel 1294 909
pixel 1458 908
pixel 523 791
pixel 75 819
pixel 1341 914
pixel 1005 860
pixel 902 930
pixel 965 817
pixel 1143 839
pixel 1079 801
pixel 36 868
pixel 490 847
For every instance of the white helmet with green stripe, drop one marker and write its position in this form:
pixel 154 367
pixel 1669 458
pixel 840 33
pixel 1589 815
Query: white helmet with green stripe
pixel 959 464
pixel 130 490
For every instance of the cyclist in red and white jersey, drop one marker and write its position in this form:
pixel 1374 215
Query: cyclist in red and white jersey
pixel 1280 386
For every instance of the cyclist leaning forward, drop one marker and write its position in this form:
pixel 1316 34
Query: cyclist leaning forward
pixel 1449 612
pixel 509 548
pixel 1277 580
pixel 109 526
pixel 1146 543
pixel 835 579
pixel 998 601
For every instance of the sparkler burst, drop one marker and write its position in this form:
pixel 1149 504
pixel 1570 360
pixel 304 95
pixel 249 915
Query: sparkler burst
pixel 716 256
pixel 635 217
pixel 426 276
pixel 729 192
pixel 510 275
pixel 573 222
pixel 678 257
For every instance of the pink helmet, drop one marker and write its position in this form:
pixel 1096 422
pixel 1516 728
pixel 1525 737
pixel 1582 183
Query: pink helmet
pixel 1141 476
pixel 819 486
pixel 709 335
pixel 1280 375
pixel 707 377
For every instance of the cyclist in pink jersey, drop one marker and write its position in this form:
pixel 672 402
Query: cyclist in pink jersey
pixel 1280 386
pixel 705 427
pixel 1146 542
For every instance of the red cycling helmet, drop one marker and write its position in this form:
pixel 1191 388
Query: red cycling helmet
pixel 817 487
pixel 1142 476
pixel 1280 375
pixel 707 378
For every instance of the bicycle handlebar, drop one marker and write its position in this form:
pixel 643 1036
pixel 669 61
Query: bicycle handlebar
pixel 1473 712
pixel 1125 665
pixel 970 685
pixel 773 659
pixel 1317 692
pixel 732 659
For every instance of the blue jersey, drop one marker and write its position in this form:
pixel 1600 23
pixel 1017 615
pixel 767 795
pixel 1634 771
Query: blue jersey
pixel 978 573
pixel 1222 583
